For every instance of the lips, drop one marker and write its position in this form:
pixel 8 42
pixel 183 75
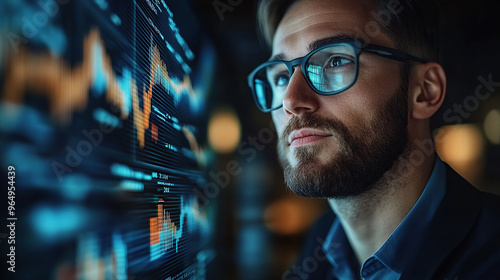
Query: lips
pixel 305 136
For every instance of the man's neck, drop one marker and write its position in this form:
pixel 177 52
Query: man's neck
pixel 369 219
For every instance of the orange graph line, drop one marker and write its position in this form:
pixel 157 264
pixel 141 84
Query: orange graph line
pixel 158 66
pixel 193 145
pixel 67 88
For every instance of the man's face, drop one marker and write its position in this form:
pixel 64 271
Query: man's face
pixel 338 145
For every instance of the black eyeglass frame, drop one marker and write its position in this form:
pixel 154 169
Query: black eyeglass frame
pixel 358 48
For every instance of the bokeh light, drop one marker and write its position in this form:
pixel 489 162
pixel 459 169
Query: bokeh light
pixel 462 147
pixel 292 214
pixel 224 130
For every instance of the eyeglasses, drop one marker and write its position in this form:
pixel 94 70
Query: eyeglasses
pixel 328 70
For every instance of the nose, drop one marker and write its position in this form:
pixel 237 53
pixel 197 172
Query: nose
pixel 299 97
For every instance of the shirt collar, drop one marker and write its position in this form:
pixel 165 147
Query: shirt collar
pixel 396 252
pixel 339 252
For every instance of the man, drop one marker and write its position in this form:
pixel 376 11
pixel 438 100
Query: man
pixel 351 86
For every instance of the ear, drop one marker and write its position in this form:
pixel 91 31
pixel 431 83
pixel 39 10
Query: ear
pixel 427 90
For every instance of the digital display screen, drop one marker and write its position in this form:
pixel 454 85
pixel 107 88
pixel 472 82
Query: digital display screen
pixel 103 108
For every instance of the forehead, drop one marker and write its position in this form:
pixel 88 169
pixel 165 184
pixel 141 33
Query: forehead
pixel 307 21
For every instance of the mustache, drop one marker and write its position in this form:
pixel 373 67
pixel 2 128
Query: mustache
pixel 338 129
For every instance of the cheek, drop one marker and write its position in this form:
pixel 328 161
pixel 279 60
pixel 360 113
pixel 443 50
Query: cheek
pixel 373 90
pixel 353 108
pixel 379 78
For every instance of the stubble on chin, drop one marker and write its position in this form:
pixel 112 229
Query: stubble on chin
pixel 305 169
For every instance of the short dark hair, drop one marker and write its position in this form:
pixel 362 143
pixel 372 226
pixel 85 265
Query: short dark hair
pixel 413 25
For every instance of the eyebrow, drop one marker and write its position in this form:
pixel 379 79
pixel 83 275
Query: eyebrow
pixel 319 43
pixel 330 40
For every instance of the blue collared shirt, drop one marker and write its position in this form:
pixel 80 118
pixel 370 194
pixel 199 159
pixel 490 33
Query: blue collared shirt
pixel 394 255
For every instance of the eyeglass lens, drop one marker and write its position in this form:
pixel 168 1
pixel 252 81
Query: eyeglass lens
pixel 328 70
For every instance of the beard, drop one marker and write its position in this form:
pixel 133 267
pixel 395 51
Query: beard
pixel 361 159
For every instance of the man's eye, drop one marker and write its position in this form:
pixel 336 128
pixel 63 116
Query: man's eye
pixel 337 61
pixel 281 80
